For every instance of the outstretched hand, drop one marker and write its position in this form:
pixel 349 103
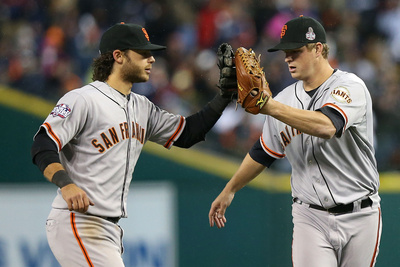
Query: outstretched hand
pixel 76 198
pixel 218 207
pixel 227 71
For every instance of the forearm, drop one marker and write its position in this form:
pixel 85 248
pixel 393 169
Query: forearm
pixel 314 123
pixel 51 169
pixel 45 156
pixel 248 170
pixel 200 123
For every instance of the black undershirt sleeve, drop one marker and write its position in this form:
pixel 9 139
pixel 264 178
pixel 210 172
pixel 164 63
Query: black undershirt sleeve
pixel 198 124
pixel 336 118
pixel 258 154
pixel 44 151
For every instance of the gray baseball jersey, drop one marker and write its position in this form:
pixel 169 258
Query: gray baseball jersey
pixel 330 172
pixel 100 134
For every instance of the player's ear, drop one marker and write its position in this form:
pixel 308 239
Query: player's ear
pixel 319 47
pixel 118 55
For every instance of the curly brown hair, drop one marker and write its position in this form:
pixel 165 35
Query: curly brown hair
pixel 102 67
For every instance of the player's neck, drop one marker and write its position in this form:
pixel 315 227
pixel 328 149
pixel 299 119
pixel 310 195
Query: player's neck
pixel 120 86
pixel 324 72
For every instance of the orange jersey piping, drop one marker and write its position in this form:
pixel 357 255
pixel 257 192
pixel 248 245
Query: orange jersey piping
pixel 168 143
pixel 50 131
pixel 341 111
pixel 276 154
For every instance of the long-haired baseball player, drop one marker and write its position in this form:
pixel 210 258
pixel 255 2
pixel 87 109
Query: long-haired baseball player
pixel 323 124
pixel 89 145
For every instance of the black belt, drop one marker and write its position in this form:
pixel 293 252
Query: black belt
pixel 110 219
pixel 339 209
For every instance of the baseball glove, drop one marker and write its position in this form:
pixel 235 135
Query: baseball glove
pixel 227 72
pixel 253 88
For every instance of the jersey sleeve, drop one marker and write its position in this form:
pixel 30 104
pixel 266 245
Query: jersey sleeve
pixel 258 154
pixel 335 117
pixel 164 127
pixel 349 98
pixel 66 119
pixel 270 140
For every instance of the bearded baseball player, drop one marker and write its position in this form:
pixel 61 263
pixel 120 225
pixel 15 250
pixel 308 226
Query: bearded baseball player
pixel 323 124
pixel 89 145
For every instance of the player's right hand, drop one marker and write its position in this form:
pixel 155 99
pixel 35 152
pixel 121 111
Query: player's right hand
pixel 227 72
pixel 76 198
pixel 218 208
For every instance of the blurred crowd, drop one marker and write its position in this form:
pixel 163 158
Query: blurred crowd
pixel 47 47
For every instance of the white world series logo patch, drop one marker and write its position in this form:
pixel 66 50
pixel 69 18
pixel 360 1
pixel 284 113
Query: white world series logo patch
pixel 341 94
pixel 310 35
pixel 61 110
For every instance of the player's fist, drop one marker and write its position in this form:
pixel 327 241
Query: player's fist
pixel 76 198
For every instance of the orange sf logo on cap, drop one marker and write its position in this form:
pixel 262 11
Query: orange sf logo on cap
pixel 145 34
pixel 283 31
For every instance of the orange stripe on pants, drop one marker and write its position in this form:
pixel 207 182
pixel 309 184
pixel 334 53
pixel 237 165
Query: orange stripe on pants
pixel 75 231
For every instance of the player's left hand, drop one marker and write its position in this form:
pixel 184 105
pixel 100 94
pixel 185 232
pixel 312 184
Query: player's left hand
pixel 227 71
pixel 254 91
pixel 218 208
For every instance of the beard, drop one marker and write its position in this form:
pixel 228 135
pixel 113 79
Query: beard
pixel 133 73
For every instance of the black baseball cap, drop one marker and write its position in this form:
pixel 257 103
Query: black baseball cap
pixel 126 36
pixel 298 32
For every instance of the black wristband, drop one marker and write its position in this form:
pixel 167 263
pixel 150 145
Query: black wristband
pixel 61 179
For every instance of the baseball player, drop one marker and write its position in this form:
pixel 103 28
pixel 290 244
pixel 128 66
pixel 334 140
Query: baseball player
pixel 323 124
pixel 89 145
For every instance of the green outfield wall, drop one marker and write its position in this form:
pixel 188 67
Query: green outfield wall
pixel 259 228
